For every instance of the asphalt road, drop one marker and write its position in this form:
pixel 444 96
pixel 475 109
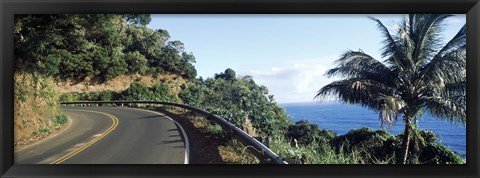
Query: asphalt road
pixel 110 135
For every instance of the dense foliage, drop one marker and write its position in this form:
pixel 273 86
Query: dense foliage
pixel 306 133
pixel 77 46
pixel 237 99
pixel 365 146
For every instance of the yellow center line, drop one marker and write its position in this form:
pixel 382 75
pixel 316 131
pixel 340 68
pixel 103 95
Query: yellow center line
pixel 85 146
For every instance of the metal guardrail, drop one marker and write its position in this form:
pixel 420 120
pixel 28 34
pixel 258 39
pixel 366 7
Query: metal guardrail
pixel 260 151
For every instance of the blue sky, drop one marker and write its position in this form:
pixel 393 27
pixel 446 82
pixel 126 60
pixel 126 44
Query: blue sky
pixel 287 53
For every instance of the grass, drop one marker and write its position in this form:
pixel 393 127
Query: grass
pixel 45 130
pixel 234 152
pixel 313 153
pixel 59 121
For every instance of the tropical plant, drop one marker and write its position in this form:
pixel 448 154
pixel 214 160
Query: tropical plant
pixel 418 74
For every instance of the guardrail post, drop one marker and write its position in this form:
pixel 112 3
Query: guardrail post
pixel 264 140
pixel 293 161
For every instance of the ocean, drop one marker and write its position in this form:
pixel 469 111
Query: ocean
pixel 342 118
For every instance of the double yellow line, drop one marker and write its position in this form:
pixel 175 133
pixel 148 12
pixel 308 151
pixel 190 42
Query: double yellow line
pixel 85 146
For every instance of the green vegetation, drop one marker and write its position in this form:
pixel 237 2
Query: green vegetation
pixel 237 99
pixel 361 146
pixel 77 46
pixel 306 133
pixel 61 119
pixel 313 153
pixel 419 74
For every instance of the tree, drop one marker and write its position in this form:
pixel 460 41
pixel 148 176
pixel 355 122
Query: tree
pixel 136 62
pixel 103 46
pixel 304 132
pixel 137 91
pixel 418 74
pixel 193 93
pixel 229 75
pixel 72 45
pixel 138 19
pixel 237 101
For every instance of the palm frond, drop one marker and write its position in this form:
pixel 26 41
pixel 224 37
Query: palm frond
pixel 456 92
pixel 426 34
pixel 357 64
pixel 446 108
pixel 392 49
pixel 407 44
pixel 450 58
pixel 456 43
pixel 449 68
pixel 356 91
pixel 390 107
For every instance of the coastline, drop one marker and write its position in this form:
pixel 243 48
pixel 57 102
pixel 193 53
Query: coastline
pixel 341 118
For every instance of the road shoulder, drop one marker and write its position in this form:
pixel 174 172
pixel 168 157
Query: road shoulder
pixel 54 133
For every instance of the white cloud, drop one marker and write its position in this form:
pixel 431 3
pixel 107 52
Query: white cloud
pixel 295 80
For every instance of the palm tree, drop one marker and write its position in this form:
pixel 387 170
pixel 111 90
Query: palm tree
pixel 417 74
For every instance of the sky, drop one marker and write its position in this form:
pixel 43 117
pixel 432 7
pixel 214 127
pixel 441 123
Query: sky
pixel 287 53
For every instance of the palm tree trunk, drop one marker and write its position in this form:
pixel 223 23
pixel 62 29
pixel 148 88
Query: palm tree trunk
pixel 406 140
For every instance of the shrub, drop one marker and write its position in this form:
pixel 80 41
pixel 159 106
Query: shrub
pixel 430 150
pixel 61 119
pixel 105 96
pixel 381 147
pixel 435 153
pixel 306 133
pixel 373 144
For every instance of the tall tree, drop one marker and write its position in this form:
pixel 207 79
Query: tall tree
pixel 418 73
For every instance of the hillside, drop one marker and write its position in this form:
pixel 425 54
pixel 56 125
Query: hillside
pixel 118 83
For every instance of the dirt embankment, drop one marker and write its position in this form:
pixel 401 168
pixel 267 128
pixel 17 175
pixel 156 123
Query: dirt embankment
pixel 204 150
pixel 119 83
pixel 208 149
pixel 36 112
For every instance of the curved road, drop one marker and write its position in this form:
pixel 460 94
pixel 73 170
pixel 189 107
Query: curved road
pixel 111 135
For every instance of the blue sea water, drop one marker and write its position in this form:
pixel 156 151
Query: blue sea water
pixel 342 118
